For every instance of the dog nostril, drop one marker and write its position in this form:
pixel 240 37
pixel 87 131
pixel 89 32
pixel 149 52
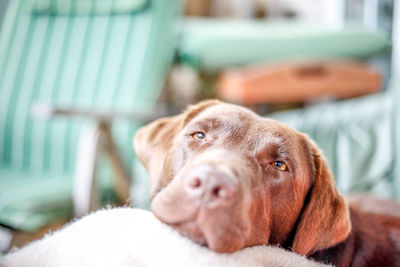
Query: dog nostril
pixel 195 183
pixel 219 192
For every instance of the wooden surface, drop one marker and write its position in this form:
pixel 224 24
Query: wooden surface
pixel 298 82
pixel 22 238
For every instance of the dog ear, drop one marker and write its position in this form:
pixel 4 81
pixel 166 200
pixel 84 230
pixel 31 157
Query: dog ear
pixel 152 142
pixel 325 219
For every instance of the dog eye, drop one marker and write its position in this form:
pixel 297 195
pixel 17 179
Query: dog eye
pixel 199 136
pixel 280 165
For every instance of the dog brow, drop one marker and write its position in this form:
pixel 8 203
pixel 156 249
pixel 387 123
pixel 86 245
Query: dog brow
pixel 267 140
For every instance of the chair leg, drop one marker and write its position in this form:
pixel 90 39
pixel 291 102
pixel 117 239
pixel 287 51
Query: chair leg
pixel 6 236
pixel 123 181
pixel 93 142
pixel 85 193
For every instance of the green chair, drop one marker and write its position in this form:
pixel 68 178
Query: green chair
pixel 93 62
pixel 360 139
pixel 214 45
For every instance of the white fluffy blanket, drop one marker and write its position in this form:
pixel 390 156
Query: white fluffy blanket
pixel 133 237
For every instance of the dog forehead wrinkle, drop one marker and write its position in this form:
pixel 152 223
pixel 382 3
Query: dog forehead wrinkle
pixel 205 124
pixel 264 140
pixel 229 121
pixel 224 126
pixel 227 112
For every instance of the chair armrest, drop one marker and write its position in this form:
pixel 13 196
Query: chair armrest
pixel 96 140
pixel 43 110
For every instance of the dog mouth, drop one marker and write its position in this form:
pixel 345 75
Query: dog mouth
pixel 216 229
pixel 187 225
pixel 213 236
pixel 191 230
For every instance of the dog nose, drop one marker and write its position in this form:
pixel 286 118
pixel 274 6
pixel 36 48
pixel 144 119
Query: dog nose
pixel 210 185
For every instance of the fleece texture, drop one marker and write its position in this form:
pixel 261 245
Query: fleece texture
pixel 133 237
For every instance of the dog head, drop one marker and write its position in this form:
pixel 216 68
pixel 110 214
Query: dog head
pixel 229 179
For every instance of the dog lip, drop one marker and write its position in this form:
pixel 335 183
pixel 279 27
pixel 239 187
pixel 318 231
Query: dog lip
pixel 185 226
pixel 169 222
pixel 179 223
pixel 192 230
pixel 195 231
pixel 165 214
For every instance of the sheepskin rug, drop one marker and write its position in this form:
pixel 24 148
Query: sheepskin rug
pixel 134 237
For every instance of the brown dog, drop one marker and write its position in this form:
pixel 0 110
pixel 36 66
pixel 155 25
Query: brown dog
pixel 229 179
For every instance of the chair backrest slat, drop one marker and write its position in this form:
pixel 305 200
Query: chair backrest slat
pixel 26 79
pixel 45 91
pixel 9 53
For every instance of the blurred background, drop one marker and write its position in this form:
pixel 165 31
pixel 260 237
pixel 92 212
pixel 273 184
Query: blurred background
pixel 79 77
